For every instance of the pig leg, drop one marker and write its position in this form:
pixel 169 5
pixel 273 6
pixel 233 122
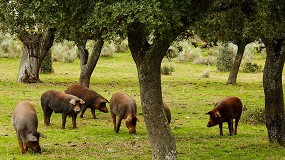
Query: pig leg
pixel 63 121
pixel 74 122
pixel 230 124
pixel 114 120
pixel 118 124
pixel 236 123
pixel 93 113
pixel 83 110
pixel 221 128
pixel 47 115
pixel 22 150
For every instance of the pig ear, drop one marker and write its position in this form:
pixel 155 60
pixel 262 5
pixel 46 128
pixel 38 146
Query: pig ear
pixel 208 113
pixel 128 119
pixel 32 138
pixel 104 100
pixel 73 102
pixel 81 101
pixel 217 114
pixel 137 118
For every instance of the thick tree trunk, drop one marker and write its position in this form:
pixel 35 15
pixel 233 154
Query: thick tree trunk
pixel 87 63
pixel 235 67
pixel 46 66
pixel 148 61
pixel 35 48
pixel 272 83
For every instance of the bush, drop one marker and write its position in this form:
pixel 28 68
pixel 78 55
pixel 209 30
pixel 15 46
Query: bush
pixel 65 52
pixel 226 57
pixel 167 70
pixel 10 46
pixel 108 49
pixel 252 68
pixel 121 45
pixel 254 116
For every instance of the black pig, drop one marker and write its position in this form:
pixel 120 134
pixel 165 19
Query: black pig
pixel 59 102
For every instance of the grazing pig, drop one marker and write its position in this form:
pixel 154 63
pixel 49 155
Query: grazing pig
pixel 123 106
pixel 92 99
pixel 167 113
pixel 59 102
pixel 226 110
pixel 25 122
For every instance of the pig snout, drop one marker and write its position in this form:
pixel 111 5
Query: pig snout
pixel 132 129
pixel 77 109
pixel 37 149
pixel 105 110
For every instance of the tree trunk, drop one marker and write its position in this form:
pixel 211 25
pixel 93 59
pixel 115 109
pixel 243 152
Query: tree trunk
pixel 272 84
pixel 35 48
pixel 235 67
pixel 87 63
pixel 148 61
pixel 46 66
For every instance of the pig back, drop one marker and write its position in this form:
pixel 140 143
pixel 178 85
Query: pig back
pixel 229 107
pixel 24 118
pixel 122 104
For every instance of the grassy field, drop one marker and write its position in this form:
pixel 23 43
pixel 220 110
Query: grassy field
pixel 188 95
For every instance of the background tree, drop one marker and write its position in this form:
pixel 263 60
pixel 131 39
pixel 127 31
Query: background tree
pixel 151 27
pixel 25 19
pixel 270 26
pixel 76 23
pixel 229 22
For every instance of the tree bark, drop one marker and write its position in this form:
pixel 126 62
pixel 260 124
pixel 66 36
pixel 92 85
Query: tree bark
pixel 87 64
pixel 148 61
pixel 272 84
pixel 35 48
pixel 235 67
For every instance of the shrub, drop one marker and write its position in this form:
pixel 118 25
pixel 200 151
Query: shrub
pixel 65 52
pixel 206 74
pixel 10 46
pixel 226 57
pixel 121 45
pixel 167 70
pixel 254 116
pixel 108 49
pixel 252 68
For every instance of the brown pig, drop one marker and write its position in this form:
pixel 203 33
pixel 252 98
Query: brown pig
pixel 25 122
pixel 92 99
pixel 59 102
pixel 226 110
pixel 123 106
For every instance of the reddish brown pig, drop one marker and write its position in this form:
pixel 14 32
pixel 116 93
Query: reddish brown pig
pixel 92 99
pixel 59 102
pixel 226 110
pixel 123 106
pixel 25 122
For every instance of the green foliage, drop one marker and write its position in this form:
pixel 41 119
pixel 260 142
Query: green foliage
pixel 225 58
pixel 167 69
pixel 252 68
pixel 254 116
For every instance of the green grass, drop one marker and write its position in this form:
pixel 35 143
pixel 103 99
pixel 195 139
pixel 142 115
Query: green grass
pixel 188 96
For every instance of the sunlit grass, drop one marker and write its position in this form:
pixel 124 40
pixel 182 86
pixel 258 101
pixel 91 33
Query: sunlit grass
pixel 188 95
